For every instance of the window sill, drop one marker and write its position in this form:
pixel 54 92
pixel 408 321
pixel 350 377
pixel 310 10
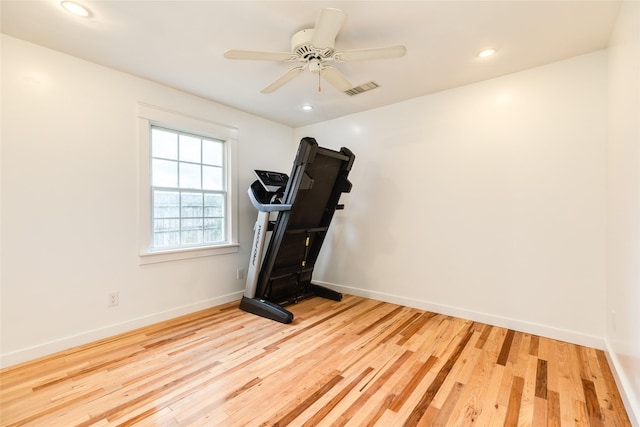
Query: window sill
pixel 181 254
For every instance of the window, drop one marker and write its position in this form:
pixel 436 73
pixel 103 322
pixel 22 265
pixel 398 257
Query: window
pixel 188 190
pixel 188 195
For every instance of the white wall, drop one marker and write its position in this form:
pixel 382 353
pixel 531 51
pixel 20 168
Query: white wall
pixel 485 201
pixel 623 204
pixel 69 203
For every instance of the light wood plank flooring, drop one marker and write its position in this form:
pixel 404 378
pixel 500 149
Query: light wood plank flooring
pixel 357 362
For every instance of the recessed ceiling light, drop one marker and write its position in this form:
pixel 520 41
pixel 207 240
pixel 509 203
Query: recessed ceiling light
pixel 75 8
pixel 487 52
pixel 307 107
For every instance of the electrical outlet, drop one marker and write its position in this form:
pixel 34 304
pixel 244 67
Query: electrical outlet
pixel 113 299
pixel 240 273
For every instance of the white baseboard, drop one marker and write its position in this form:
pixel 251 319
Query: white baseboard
pixel 631 401
pixel 30 353
pixel 503 322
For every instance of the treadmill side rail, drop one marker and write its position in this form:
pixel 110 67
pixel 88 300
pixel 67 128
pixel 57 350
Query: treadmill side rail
pixel 257 250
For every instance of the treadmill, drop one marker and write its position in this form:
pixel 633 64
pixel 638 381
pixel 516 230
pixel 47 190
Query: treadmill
pixel 304 204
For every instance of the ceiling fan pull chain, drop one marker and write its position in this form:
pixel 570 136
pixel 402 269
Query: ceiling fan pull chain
pixel 319 88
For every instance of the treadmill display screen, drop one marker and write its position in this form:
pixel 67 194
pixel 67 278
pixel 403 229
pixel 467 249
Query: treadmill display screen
pixel 271 181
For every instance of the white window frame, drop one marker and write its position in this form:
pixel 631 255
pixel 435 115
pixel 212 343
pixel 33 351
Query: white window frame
pixel 149 115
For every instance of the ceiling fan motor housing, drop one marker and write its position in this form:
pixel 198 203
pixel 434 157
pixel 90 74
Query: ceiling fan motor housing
pixel 301 46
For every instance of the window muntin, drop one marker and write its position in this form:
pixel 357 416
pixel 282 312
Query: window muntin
pixel 188 190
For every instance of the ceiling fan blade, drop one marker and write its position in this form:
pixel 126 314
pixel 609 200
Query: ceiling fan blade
pixel 259 55
pixel 366 54
pixel 280 81
pixel 335 78
pixel 327 27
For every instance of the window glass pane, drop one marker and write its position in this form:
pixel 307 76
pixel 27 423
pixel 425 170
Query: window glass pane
pixel 191 205
pixel 213 230
pixel 164 144
pixel 192 231
pixel 164 173
pixel 166 233
pixel 212 178
pixel 212 152
pixel 213 205
pixel 166 204
pixel 190 176
pixel 189 149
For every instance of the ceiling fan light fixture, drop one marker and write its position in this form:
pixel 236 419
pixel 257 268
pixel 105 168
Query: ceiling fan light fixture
pixel 315 65
pixel 485 53
pixel 75 8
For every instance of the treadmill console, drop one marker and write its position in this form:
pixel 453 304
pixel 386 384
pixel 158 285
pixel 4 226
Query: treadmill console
pixel 266 192
pixel 271 181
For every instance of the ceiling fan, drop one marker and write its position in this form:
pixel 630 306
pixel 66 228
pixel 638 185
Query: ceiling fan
pixel 314 47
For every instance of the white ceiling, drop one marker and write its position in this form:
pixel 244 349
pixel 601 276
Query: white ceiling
pixel 181 44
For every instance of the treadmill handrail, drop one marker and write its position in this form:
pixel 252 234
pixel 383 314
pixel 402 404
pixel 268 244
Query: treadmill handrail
pixel 267 207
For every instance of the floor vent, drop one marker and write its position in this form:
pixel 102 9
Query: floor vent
pixel 362 88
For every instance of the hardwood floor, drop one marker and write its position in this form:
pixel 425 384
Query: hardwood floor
pixel 357 362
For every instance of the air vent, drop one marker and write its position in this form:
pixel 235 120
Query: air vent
pixel 365 87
